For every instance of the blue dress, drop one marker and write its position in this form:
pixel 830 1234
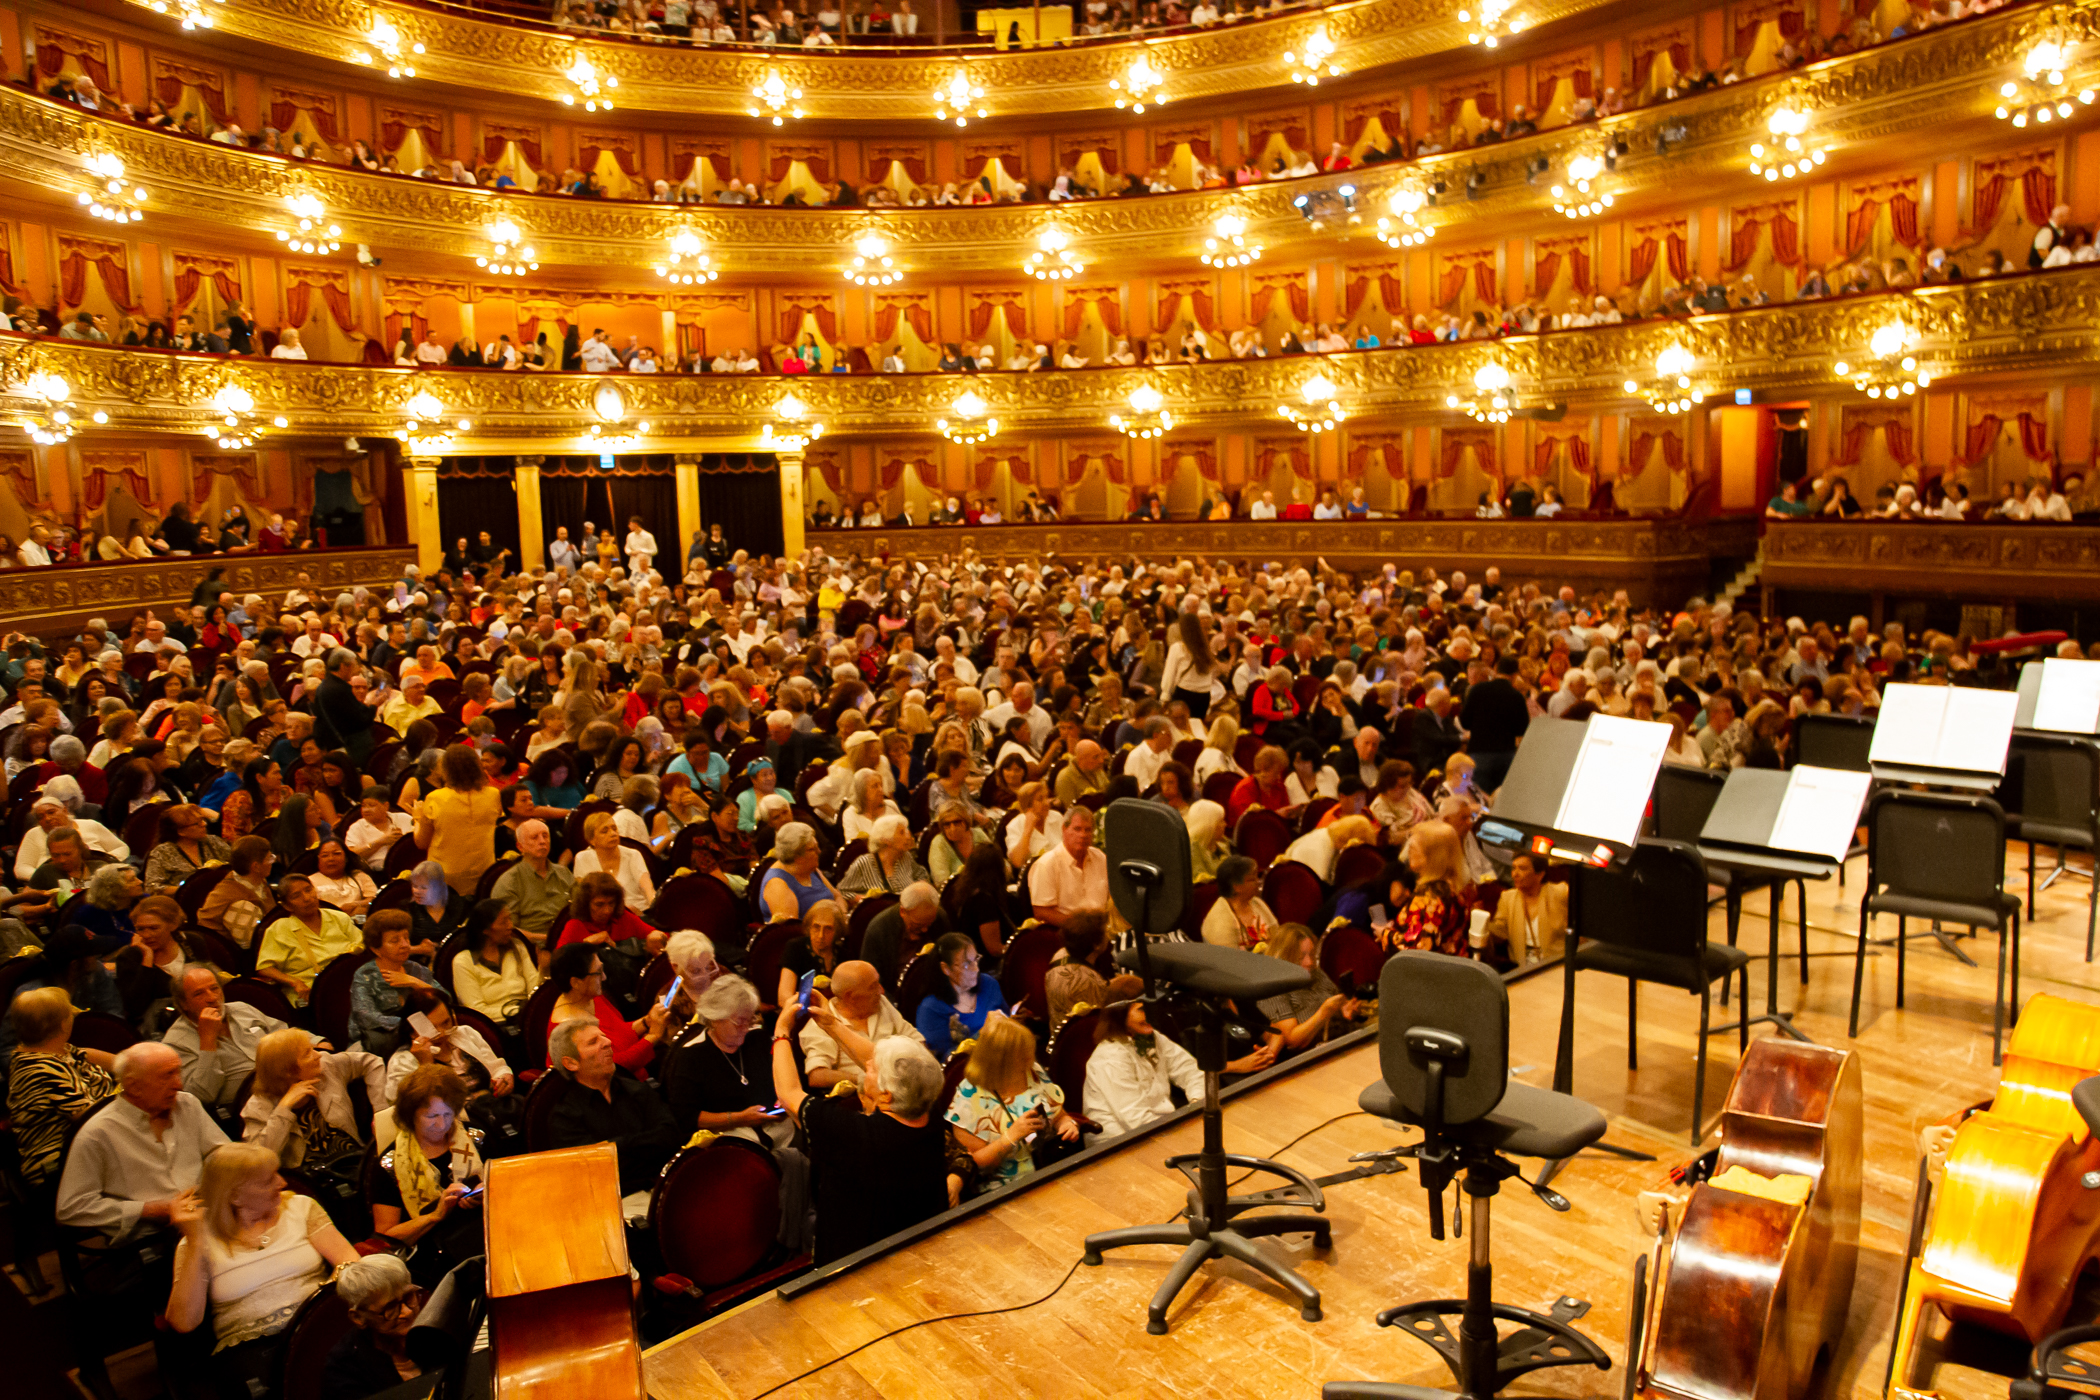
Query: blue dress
pixel 807 896
pixel 934 1015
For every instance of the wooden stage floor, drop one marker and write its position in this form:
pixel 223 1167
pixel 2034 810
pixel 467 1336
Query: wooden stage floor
pixel 1233 1334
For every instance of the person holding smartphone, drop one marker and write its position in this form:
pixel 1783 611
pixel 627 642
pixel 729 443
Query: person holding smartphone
pixel 427 1189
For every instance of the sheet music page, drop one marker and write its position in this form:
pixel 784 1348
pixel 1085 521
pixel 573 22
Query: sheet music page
pixel 1978 730
pixel 1820 812
pixel 1907 731
pixel 2069 702
pixel 1608 791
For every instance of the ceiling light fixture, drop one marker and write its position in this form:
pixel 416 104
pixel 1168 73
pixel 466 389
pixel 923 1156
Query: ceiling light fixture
pixel 2041 93
pixel 685 262
pixel 872 265
pixel 1054 258
pixel 1228 244
pixel 1788 155
pixel 1143 86
pixel 387 48
pixel 791 434
pixel 1584 196
pixel 1149 416
pixel 112 198
pixel 776 98
pixel 594 90
pixel 1893 370
pixel 1405 228
pixel 1492 401
pixel 1313 60
pixel 970 426
pixel 313 234
pixel 1323 411
pixel 1492 24
pixel 236 428
pixel 959 99
pixel 510 255
pixel 1672 390
pixel 52 422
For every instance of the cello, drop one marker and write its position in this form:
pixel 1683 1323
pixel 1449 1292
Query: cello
pixel 2011 1224
pixel 1753 1285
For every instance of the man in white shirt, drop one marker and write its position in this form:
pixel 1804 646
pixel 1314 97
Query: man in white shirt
pixel 313 641
pixel 1021 701
pixel 136 1159
pixel 892 363
pixel 598 355
pixel 288 346
pixel 503 354
pixel 944 650
pixel 1072 876
pixel 1148 758
pixel 640 550
pixel 33 552
pixel 157 639
pixel 1263 509
pixel 430 351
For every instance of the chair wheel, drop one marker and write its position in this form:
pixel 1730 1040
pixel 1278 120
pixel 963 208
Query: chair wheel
pixel 1091 1259
pixel 1311 1313
pixel 1323 1239
pixel 1157 1326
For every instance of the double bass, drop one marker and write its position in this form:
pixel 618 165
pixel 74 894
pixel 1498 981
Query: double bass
pixel 2011 1223
pixel 1753 1284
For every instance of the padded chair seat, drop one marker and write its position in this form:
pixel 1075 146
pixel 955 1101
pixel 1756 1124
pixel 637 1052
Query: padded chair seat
pixel 2048 833
pixel 1682 972
pixel 1222 972
pixel 1946 911
pixel 1527 1123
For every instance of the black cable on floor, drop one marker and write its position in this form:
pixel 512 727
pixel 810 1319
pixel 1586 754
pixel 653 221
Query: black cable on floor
pixel 1018 1307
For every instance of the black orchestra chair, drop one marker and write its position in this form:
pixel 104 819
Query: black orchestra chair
pixel 2059 805
pixel 1682 801
pixel 1443 1054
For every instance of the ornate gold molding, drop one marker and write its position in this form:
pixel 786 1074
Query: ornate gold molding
pixel 54 601
pixel 1916 85
pixel 1985 563
pixel 666 77
pixel 2034 322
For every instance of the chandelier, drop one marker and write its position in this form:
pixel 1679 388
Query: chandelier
pixel 111 198
pixel 958 99
pixel 387 48
pixel 2041 94
pixel 1789 155
pixel 1143 86
pixel 313 234
pixel 1584 196
pixel 52 422
pixel 1492 401
pixel 1671 391
pixel 1492 24
pixel 775 97
pixel 1054 258
pixel 1313 61
pixel 617 438
pixel 237 427
pixel 424 410
pixel 509 255
pixel 1228 244
pixel 1323 412
pixel 194 15
pixel 583 75
pixel 791 434
pixel 685 262
pixel 872 265
pixel 1405 229
pixel 970 425
pixel 1149 417
pixel 1893 371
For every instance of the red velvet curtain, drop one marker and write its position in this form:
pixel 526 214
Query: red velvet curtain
pixel 52 50
pixel 1641 261
pixel 2034 438
pixel 1746 29
pixel 394 127
pixel 1550 81
pixel 73 275
pixel 2038 194
pixel 1352 297
pixel 791 321
pixel 1680 58
pixel 286 109
pixel 169 89
pixel 97 487
pixel 21 470
pixel 1677 247
pixel 1075 311
pixel 1451 283
pixel 7 267
pixel 1786 238
pixel 885 322
pixel 1673 453
pixel 630 161
pixel 1902 442
pixel 1990 195
pixel 1744 236
pixel 298 302
pixel 1851 442
pixel 1204 307
pixel 1484 102
pixel 1484 283
pixel 1983 435
pixel 1903 218
pixel 492 144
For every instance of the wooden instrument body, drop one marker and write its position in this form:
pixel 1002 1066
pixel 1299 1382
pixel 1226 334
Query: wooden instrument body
pixel 1756 1286
pixel 2012 1225
pixel 561 1304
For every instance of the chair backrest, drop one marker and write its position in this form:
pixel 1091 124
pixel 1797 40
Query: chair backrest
pixel 1429 1002
pixel 1682 800
pixel 921 974
pixel 1261 836
pixel 1294 892
pixel 572 830
pixel 1202 894
pixel 849 852
pixel 142 827
pixel 1934 846
pixel 1309 815
pixel 657 976
pixel 1028 955
pixel 540 1102
pixel 699 902
pixel 1358 864
pixel 401 857
pixel 486 885
pixel 1654 902
pixel 952 1074
pixel 321 1322
pixel 1353 957
pixel 98 1030
pixel 1071 1046
pixel 218 950
pixel 2059 779
pixel 762 960
pixel 264 997
pixel 190 894
pixel 1833 741
pixel 857 926
pixel 1219 785
pixel 716 1210
pixel 1245 751
pixel 532 1028
pixel 1187 751
pixel 329 1001
pixel 399 892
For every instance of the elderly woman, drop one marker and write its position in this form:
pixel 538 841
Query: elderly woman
pixel 251 1253
pixel 376 987
pixel 1312 1013
pixel 50 1083
pixel 1004 1100
pixel 426 1192
pixel 1221 740
pixel 721 1079
pixel 1275 708
pixel 638 795
pixel 1399 806
pixel 953 841
pixel 682 806
pixel 765 779
pixel 186 846
pixel 56 806
pixel 815 954
pixel 300 1108
pixel 1264 787
pixel 870 804
pixel 962 1001
pixel 1238 918
pixel 496 972
pixel 603 853
pixel 1207 843
pixel 1037 829
pixel 793 883
pixel 104 907
pixel 383 1299
pixel 1437 916
pixel 580 972
pixel 339 881
pixel 691 955
pixel 891 864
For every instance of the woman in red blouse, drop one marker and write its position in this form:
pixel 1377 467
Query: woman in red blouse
pixel 1436 918
pixel 598 913
pixel 580 972
pixel 1264 787
pixel 1275 707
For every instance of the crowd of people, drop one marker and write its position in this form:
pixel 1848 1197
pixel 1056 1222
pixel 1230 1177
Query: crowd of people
pixel 177 533
pixel 497 791
pixel 707 23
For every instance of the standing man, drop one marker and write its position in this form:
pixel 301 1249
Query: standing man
pixel 1495 718
pixel 341 720
pixel 641 549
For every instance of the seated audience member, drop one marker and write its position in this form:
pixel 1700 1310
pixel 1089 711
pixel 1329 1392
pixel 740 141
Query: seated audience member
pixel 135 1164
pixel 446 1043
pixel 536 888
pixel 437 911
pixel 56 810
pixel 1072 876
pixel 1131 1076
pixel 301 1107
pixel 1311 1014
pixel 598 913
pixel 879 1160
pixel 961 1001
pixel 605 853
pixel 424 1191
pixel 1437 916
pixel 243 895
pixel 579 970
pixel 814 954
pixel 1320 849
pixel 294 949
pixel 378 828
pixel 377 987
pixel 1531 918
pixel 383 1300
pixel 793 883
pixel 1238 918
pixel 339 881
pixel 857 1003
pixel 604 1105
pixel 496 972
pixel 145 970
pixel 215 1040
pixel 895 936
pixel 1004 1100
pixel 50 1083
pixel 251 1253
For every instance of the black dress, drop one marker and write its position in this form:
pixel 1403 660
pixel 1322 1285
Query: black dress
pixel 701 1077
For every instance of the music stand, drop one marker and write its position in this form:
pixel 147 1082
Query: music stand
pixel 1148 861
pixel 2058 697
pixel 1797 825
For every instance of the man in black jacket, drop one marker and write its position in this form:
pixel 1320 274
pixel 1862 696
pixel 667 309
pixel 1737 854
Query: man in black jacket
pixel 601 1104
pixel 1495 718
pixel 341 720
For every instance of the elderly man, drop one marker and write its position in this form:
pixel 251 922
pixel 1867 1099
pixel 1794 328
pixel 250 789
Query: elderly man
pixel 536 889
pixel 604 1105
pixel 53 811
pixel 1435 730
pixel 1149 757
pixel 1363 755
pixel 341 720
pixel 1724 738
pixel 156 639
pixel 902 929
pixel 1086 773
pixel 1574 690
pixel 1020 700
pixel 215 1040
pixel 1071 876
pixel 411 703
pixel 65 871
pixel 858 1003
pixel 879 1156
pixel 296 948
pixel 136 1160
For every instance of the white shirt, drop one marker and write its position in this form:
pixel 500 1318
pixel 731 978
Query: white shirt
pixel 1126 1088
pixel 1262 510
pixel 429 354
pixel 641 545
pixel 1040 725
pixel 633 875
pixel 598 357
pixel 1144 764
pixel 33 553
pixel 288 352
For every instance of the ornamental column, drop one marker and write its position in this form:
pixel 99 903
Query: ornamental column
pixel 425 530
pixel 791 481
pixel 532 528
pixel 686 468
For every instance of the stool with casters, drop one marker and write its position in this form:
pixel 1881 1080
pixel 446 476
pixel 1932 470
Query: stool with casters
pixel 1443 1049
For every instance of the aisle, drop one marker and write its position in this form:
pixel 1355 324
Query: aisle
pixel 1233 1336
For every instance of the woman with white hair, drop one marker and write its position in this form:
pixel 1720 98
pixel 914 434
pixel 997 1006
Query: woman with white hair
pixel 57 805
pixel 871 802
pixel 383 1300
pixel 891 864
pixel 1207 844
pixel 794 883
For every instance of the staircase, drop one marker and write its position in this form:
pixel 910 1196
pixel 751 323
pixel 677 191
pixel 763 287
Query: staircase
pixel 1744 580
